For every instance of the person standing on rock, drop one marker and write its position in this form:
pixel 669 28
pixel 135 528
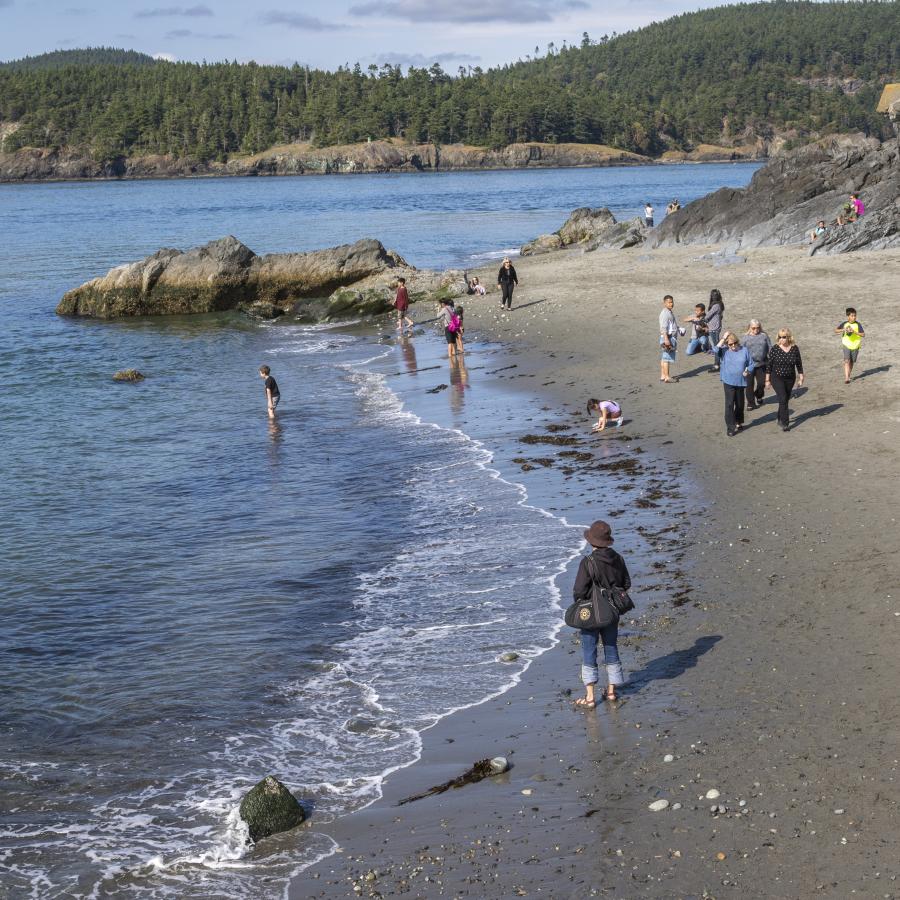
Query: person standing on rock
pixel 401 304
pixel 606 568
pixel 507 280
pixel 783 367
pixel 648 215
pixel 759 345
pixel 736 367
pixel 715 314
pixel 668 339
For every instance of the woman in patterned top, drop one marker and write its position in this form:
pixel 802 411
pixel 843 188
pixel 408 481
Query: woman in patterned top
pixel 783 367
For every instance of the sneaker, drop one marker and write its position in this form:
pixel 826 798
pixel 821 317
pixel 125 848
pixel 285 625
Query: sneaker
pixel 731 433
pixel 785 427
pixel 752 406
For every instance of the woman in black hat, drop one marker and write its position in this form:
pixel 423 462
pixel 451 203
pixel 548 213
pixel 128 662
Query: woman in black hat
pixel 609 571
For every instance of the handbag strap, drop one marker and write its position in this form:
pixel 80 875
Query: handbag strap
pixel 596 575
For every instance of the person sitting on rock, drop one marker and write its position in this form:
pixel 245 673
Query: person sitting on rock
pixel 818 232
pixel 859 209
pixel 476 287
pixel 846 215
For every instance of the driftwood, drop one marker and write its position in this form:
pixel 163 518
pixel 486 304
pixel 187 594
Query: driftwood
pixel 482 769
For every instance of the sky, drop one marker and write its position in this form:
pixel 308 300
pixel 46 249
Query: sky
pixel 324 33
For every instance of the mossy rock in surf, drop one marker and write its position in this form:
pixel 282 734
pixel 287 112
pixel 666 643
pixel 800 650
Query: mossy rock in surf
pixel 347 302
pixel 128 375
pixel 269 808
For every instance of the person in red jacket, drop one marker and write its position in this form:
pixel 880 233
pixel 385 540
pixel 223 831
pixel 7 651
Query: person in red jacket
pixel 401 304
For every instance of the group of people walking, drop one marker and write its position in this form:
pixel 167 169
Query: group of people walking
pixel 749 364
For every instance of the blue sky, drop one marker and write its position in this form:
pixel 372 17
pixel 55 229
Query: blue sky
pixel 323 33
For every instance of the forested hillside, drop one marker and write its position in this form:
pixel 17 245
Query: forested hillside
pixel 809 68
pixel 58 59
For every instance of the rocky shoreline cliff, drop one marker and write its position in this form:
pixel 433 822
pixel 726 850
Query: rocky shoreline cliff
pixel 786 198
pixel 73 164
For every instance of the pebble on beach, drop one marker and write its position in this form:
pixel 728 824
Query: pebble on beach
pixel 712 794
pixel 658 805
pixel 509 656
pixel 499 765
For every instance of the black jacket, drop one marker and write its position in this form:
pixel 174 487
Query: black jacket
pixel 507 275
pixel 607 562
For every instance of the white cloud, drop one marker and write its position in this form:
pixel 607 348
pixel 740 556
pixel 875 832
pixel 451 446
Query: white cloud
pixel 298 21
pixel 162 11
pixel 514 12
pixel 165 57
pixel 420 60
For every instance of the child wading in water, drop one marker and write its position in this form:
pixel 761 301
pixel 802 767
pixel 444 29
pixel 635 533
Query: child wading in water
pixel 609 411
pixel 451 322
pixel 273 395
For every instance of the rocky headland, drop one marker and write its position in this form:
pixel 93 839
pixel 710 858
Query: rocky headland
pixel 786 198
pixel 70 163
pixel 321 285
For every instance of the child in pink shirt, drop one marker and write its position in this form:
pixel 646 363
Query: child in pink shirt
pixel 609 411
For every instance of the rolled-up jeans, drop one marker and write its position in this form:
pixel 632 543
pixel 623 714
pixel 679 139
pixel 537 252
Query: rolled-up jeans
pixel 609 636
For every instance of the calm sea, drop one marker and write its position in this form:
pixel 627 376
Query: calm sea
pixel 191 597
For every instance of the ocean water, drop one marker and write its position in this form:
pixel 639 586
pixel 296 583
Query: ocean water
pixel 194 597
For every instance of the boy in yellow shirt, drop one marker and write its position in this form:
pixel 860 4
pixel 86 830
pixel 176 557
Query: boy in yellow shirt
pixel 853 333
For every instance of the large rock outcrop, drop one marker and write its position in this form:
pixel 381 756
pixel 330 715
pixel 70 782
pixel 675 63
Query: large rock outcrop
pixel 786 198
pixel 226 274
pixel 591 229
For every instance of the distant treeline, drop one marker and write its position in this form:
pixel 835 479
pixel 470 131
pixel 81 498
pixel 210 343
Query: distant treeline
pixel 699 77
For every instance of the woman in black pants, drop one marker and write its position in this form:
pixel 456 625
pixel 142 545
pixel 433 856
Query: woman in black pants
pixel 506 281
pixel 783 366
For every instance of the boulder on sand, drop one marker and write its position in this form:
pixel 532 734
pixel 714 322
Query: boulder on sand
pixel 591 228
pixel 786 198
pixel 269 807
pixel 223 275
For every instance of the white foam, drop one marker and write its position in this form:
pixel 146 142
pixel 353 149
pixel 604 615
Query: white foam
pixel 497 254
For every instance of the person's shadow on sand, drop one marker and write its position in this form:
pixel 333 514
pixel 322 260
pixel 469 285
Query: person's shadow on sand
pixel 876 371
pixel 796 420
pixel 700 370
pixel 672 665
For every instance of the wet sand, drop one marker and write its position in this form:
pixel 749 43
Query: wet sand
pixel 762 656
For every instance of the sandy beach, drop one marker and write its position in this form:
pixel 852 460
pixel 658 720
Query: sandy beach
pixel 762 654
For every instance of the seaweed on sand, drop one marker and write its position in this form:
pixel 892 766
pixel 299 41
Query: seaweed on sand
pixel 479 771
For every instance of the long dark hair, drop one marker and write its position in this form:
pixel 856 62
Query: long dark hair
pixel 715 296
pixel 592 405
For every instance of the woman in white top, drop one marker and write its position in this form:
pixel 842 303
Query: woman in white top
pixel 648 215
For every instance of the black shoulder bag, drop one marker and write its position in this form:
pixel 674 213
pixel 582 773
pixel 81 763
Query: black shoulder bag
pixel 618 598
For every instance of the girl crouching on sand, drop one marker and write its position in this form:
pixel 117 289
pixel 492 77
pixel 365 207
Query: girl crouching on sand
pixel 608 410
pixel 605 567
